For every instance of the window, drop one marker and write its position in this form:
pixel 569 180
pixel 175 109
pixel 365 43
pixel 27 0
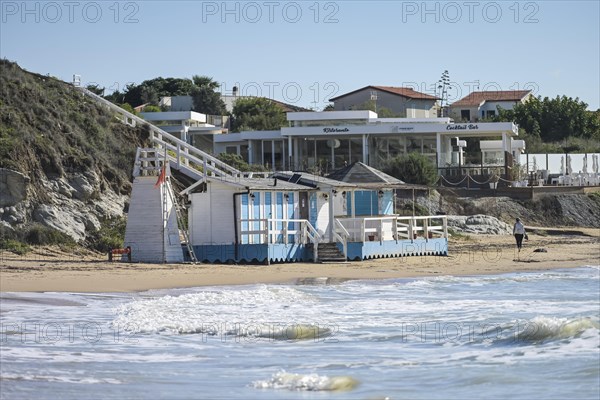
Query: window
pixel 465 115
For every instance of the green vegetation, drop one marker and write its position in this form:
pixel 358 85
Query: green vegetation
pixel 256 114
pixel 111 235
pixel 14 246
pixel 20 240
pixel 50 131
pixel 152 109
pixel 238 162
pixel 206 99
pixel 202 89
pixel 557 125
pixel 407 209
pixel 151 90
pixel 47 128
pixel 413 168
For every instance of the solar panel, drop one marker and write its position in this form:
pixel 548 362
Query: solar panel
pixel 295 178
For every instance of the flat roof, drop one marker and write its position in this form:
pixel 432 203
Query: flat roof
pixel 256 184
pixel 173 116
pixel 330 115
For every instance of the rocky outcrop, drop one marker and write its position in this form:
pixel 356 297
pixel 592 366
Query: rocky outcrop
pixel 13 187
pixel 479 224
pixel 76 204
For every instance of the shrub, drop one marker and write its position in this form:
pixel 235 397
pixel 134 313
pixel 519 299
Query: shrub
pixel 111 235
pixel 14 246
pixel 152 108
pixel 38 234
pixel 237 162
pixel 413 168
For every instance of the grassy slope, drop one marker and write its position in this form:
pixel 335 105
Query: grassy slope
pixel 47 128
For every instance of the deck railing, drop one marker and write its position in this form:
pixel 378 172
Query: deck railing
pixel 276 230
pixel 341 235
pixel 394 227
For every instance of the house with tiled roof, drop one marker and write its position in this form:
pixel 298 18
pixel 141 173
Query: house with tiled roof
pixel 402 101
pixel 482 105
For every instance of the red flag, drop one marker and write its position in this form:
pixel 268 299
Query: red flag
pixel 162 177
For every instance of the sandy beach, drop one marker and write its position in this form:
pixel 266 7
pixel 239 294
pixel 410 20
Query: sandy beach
pixel 53 270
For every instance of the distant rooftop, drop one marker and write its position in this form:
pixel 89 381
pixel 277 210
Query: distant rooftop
pixel 400 91
pixel 475 99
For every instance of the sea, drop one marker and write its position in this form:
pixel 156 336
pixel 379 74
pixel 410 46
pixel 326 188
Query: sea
pixel 532 335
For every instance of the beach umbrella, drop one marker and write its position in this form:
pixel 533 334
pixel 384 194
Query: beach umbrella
pixel 585 164
pixel 562 165
pixel 595 163
pixel 534 164
pixel 569 168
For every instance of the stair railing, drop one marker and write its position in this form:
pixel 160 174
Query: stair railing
pixel 341 235
pixel 163 138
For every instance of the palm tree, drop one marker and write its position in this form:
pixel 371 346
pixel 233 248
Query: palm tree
pixel 204 81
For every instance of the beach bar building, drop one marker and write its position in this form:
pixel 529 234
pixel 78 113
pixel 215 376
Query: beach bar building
pixel 327 141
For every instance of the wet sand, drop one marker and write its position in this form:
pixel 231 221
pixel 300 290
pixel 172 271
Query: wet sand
pixel 52 270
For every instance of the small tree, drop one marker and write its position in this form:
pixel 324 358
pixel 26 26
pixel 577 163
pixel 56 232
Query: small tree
pixel 206 99
pixel 257 114
pixel 412 168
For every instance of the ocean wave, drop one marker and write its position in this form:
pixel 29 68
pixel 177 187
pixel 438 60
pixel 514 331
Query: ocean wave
pixel 279 313
pixel 309 382
pixel 59 379
pixel 543 329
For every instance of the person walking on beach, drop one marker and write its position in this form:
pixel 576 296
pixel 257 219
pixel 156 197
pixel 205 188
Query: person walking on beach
pixel 519 232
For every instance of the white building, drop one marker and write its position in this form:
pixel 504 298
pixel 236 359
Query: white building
pixel 324 141
pixel 482 105
pixel 401 101
pixel 194 128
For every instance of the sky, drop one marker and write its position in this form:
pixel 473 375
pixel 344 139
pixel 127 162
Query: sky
pixel 306 52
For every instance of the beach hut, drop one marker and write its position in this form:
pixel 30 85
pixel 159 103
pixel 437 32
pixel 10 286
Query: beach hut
pixel 251 220
pixel 298 216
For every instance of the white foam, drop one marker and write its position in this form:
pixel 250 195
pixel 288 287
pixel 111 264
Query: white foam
pixel 310 382
pixel 261 312
pixel 58 378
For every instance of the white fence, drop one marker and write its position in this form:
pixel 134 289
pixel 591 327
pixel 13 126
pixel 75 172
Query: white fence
pixel 394 227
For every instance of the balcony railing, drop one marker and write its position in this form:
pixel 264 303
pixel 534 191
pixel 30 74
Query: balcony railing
pixel 394 227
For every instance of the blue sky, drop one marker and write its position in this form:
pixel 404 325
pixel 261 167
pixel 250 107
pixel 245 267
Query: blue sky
pixel 306 52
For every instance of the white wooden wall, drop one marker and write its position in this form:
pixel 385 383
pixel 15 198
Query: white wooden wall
pixel 323 216
pixel 211 215
pixel 145 232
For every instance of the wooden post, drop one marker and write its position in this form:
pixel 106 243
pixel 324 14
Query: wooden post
pixel 362 229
